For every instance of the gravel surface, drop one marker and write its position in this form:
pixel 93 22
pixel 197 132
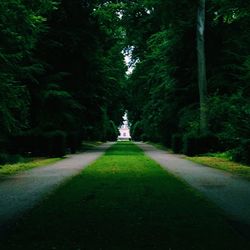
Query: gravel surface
pixel 229 192
pixel 22 191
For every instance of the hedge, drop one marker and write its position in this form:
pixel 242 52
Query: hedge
pixel 176 143
pixel 200 144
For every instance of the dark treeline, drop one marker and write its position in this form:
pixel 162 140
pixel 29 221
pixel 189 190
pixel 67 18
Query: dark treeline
pixel 164 93
pixel 61 75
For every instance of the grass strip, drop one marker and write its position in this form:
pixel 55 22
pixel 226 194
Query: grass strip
pixel 220 161
pixel 9 169
pixel 223 164
pixel 124 201
pixel 29 163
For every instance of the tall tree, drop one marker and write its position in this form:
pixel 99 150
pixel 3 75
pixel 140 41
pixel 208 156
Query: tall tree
pixel 202 78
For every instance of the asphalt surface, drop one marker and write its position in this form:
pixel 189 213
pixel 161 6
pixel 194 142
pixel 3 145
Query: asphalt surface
pixel 20 192
pixel 230 193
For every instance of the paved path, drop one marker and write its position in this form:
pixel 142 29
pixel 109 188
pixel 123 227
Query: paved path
pixel 230 193
pixel 20 192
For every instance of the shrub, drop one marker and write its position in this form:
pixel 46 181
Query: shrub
pixel 37 143
pixel 23 143
pixel 190 144
pixel 200 144
pixel 136 131
pixel 166 140
pixel 73 141
pixel 56 143
pixel 112 132
pixel 242 152
pixel 176 143
pixel 145 138
pixel 9 159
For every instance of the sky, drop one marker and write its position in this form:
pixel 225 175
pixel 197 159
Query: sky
pixel 127 53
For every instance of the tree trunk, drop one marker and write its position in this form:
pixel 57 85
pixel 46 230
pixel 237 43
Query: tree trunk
pixel 202 66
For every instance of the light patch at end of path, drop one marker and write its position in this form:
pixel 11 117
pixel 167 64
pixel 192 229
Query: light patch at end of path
pixel 229 192
pixel 22 191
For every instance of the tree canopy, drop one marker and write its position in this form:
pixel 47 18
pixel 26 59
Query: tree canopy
pixel 63 69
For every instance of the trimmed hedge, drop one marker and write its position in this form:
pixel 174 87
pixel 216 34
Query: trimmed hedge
pixel 200 144
pixel 176 143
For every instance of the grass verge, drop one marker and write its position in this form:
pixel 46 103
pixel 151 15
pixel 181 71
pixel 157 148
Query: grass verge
pixel 9 169
pixel 222 163
pixel 123 201
pixel 29 163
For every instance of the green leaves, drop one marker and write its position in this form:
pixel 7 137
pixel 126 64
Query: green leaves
pixel 21 25
pixel 163 87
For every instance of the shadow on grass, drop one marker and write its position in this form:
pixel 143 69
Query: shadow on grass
pixel 124 148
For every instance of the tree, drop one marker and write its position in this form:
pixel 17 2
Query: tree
pixel 202 78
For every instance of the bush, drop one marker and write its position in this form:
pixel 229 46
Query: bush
pixel 56 143
pixel 23 143
pixel 112 132
pixel 176 143
pixel 200 144
pixel 9 159
pixel 73 142
pixel 166 140
pixel 242 153
pixel 137 131
pixel 145 138
pixel 38 143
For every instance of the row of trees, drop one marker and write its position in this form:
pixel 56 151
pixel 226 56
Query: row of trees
pixel 165 101
pixel 62 74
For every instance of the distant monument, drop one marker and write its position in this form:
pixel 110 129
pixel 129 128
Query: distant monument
pixel 124 130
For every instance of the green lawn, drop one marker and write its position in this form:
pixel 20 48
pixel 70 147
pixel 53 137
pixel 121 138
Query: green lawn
pixel 9 169
pixel 124 201
pixel 221 162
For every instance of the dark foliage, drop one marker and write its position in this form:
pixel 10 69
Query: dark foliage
pixel 55 143
pixel 177 144
pixel 242 152
pixel 61 70
pixel 112 132
pixel 74 141
pixel 163 88
pixel 194 145
pixel 136 131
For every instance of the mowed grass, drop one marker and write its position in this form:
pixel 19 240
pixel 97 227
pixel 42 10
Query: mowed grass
pixel 223 164
pixel 123 201
pixel 9 169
